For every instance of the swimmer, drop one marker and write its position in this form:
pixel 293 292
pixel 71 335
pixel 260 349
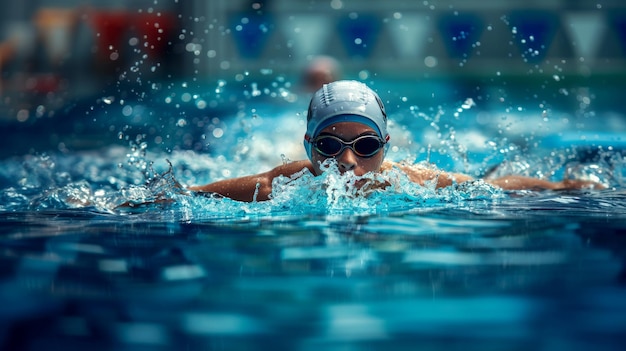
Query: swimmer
pixel 321 70
pixel 347 121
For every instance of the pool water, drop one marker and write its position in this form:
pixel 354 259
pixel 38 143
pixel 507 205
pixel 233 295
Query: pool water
pixel 102 247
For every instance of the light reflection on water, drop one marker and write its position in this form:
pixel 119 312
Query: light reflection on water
pixel 458 278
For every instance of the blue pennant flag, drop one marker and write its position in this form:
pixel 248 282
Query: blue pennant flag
pixel 359 34
pixel 251 32
pixel 618 20
pixel 460 33
pixel 533 32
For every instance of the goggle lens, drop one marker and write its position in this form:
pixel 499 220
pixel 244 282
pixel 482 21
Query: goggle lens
pixel 367 146
pixel 363 146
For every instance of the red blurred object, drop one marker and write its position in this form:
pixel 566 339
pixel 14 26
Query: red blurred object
pixel 43 83
pixel 111 27
pixel 154 30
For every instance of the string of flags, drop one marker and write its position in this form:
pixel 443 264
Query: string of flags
pixel 533 33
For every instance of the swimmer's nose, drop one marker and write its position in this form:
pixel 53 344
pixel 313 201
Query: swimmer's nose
pixel 347 160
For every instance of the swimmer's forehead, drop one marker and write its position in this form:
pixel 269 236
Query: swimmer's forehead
pixel 350 129
pixel 348 121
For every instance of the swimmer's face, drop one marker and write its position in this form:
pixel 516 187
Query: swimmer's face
pixel 347 160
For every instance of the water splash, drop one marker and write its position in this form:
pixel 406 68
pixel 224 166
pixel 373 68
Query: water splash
pixel 94 182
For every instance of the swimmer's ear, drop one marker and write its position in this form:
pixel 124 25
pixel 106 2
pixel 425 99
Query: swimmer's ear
pixel 307 145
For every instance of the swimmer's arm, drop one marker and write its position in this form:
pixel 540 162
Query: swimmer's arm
pixel 515 182
pixel 245 188
pixel 421 175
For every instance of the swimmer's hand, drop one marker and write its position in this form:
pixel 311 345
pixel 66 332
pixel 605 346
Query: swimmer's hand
pixel 579 184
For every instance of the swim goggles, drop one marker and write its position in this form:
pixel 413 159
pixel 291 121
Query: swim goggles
pixel 364 146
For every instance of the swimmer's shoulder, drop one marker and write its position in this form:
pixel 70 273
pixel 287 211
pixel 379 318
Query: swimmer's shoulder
pixel 404 166
pixel 416 172
pixel 291 168
pixel 421 173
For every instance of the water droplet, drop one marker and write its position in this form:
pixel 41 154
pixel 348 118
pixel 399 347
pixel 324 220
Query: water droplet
pixel 201 104
pixel 430 61
pixel 469 103
pixel 127 110
pixel 23 115
pixel 336 4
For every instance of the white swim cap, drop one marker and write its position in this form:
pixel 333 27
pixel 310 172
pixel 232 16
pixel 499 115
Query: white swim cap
pixel 344 101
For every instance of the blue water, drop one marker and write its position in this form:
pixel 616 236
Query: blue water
pixel 102 247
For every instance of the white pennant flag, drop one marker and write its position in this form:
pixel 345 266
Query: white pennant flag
pixel 409 33
pixel 586 31
pixel 307 34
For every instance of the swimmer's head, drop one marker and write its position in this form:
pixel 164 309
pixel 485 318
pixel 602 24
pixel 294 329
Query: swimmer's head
pixel 319 71
pixel 344 101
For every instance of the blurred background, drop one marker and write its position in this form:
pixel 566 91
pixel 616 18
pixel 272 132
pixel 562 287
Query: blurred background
pixel 59 57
